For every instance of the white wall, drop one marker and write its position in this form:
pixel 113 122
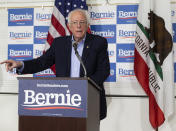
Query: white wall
pixel 8 112
pixel 131 114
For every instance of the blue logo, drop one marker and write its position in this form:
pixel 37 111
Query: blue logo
pixel 112 76
pixel 45 73
pixel 174 32
pixel 102 15
pixel 175 72
pixel 125 73
pixel 125 53
pixel 111 53
pixel 127 14
pixel 40 34
pixel 20 52
pixel 20 35
pixel 107 31
pixel 172 13
pixel 123 34
pixel 43 17
pixel 38 52
pixel 20 17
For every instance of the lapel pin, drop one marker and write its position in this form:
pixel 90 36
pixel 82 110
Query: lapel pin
pixel 87 47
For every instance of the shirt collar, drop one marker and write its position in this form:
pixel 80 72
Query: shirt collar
pixel 81 42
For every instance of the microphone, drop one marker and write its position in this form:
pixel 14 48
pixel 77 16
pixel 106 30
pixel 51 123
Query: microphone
pixel 75 45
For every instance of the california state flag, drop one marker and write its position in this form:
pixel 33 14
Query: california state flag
pixel 153 64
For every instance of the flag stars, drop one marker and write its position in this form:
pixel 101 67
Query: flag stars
pixel 131 73
pixel 75 5
pixel 68 3
pixel 60 3
pixel 67 11
pixel 82 6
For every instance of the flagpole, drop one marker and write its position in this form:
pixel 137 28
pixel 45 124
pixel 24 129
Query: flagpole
pixel 157 129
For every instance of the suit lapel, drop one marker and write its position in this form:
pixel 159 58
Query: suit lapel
pixel 68 54
pixel 86 51
pixel 87 46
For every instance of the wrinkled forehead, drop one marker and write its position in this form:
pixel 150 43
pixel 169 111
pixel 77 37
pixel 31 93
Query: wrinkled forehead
pixel 78 16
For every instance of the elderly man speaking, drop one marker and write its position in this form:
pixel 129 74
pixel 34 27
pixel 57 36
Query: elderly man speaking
pixel 91 48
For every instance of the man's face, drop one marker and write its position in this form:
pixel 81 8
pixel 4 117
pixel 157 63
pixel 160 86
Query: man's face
pixel 78 25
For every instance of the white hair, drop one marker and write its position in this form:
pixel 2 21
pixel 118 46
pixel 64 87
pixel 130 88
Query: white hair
pixel 84 12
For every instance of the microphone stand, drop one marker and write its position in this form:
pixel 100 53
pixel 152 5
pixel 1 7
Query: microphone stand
pixel 79 58
pixel 84 68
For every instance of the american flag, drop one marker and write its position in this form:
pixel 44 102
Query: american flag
pixel 58 25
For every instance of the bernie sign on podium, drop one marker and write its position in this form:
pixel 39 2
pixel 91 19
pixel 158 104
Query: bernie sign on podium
pixel 52 97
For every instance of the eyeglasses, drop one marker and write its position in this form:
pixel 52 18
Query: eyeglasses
pixel 81 23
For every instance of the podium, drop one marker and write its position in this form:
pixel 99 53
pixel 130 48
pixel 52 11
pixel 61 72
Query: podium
pixel 58 104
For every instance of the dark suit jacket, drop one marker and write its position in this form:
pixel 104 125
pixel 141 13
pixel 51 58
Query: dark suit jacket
pixel 94 56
